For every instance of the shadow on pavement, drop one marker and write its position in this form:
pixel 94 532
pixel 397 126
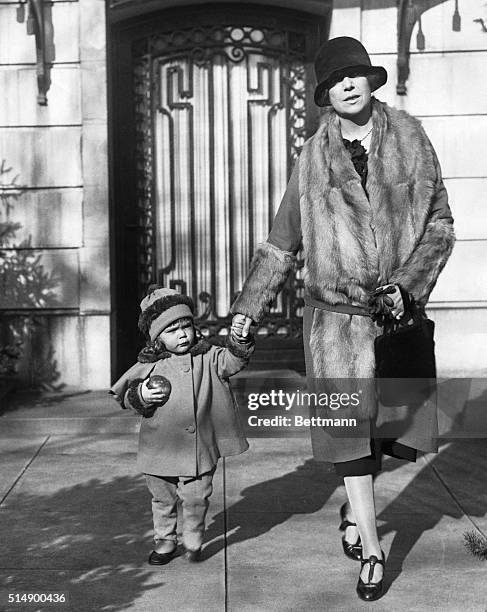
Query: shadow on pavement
pixel 272 502
pixel 461 467
pixel 462 475
pixel 91 540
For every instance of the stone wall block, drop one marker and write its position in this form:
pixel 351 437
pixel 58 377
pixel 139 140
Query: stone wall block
pixel 94 91
pixel 49 218
pixel 40 362
pixel 57 272
pixel 467 200
pixel 461 341
pixel 95 278
pixel 19 97
pixel 92 28
pixel 96 216
pixel 67 344
pixel 464 278
pixel 65 267
pixel 437 83
pixel 379 27
pixel 459 142
pixel 441 84
pixel 43 157
pixel 95 157
pixel 94 336
pixel 346 19
pixel 75 349
pixel 66 349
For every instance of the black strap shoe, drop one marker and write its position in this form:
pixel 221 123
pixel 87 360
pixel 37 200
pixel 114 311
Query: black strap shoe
pixel 160 558
pixel 352 551
pixel 370 591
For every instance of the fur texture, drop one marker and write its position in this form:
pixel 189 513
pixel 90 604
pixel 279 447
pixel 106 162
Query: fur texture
pixel 268 272
pixel 151 353
pixel 420 272
pixel 353 243
pixel 158 307
pixel 133 399
pixel 242 350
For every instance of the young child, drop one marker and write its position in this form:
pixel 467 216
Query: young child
pixel 185 430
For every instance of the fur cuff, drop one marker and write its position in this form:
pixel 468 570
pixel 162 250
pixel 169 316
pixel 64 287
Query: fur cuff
pixel 136 402
pixel 242 350
pixel 420 272
pixel 268 272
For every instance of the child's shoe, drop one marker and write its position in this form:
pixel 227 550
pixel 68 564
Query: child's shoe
pixel 193 556
pixel 166 554
pixel 160 558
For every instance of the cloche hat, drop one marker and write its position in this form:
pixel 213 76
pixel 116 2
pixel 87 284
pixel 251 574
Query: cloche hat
pixel 340 57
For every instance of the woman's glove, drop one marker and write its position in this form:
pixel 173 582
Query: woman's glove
pixel 388 302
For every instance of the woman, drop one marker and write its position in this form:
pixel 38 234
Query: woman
pixel 367 205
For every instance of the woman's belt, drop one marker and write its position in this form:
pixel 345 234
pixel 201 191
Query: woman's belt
pixel 348 309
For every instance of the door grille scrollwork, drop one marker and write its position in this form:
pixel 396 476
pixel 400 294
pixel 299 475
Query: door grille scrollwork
pixel 220 121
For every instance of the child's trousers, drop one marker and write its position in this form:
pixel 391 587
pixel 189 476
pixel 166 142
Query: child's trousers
pixel 194 494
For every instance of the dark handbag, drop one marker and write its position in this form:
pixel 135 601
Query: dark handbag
pixel 405 367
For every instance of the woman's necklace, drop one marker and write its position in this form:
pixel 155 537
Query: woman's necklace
pixel 362 139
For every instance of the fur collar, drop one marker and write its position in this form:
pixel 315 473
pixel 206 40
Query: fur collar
pixel 149 355
pixel 355 240
pixel 385 121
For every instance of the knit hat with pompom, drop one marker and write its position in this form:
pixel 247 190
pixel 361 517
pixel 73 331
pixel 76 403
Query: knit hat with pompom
pixel 160 308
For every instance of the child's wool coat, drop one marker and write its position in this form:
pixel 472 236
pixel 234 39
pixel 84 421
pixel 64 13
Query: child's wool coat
pixel 199 423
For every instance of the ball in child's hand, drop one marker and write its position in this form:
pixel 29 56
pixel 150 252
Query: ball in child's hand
pixel 160 383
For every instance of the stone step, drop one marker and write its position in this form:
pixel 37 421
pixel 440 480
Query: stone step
pixel 66 412
pixel 73 411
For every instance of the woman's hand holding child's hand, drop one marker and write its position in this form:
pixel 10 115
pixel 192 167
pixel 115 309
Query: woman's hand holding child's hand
pixel 240 327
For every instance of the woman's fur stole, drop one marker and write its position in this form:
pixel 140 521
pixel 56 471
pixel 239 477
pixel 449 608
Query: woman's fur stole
pixel 353 243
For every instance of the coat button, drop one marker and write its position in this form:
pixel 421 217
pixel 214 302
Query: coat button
pixel 191 428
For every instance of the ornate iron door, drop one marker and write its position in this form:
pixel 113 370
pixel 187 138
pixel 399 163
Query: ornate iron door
pixel 209 121
pixel 217 138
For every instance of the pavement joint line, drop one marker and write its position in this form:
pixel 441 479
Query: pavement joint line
pixel 453 496
pixel 24 469
pixel 225 542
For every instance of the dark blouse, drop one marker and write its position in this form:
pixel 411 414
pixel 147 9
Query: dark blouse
pixel 359 159
pixel 286 229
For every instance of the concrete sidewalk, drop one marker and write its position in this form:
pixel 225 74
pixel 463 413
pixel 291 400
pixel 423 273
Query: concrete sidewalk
pixel 75 518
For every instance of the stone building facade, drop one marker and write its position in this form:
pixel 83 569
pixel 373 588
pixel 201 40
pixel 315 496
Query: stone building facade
pixel 74 158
